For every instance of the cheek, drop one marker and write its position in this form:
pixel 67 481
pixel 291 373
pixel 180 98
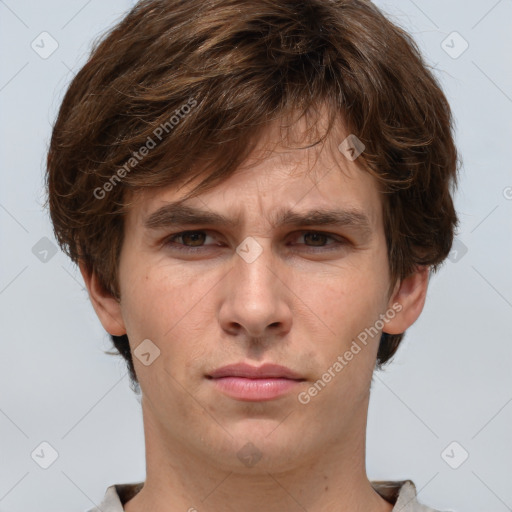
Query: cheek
pixel 155 291
pixel 349 297
pixel 167 304
pixel 350 307
pixel 143 303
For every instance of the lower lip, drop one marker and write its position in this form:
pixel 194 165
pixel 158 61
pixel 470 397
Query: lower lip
pixel 242 388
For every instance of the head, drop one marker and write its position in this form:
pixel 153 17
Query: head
pixel 239 110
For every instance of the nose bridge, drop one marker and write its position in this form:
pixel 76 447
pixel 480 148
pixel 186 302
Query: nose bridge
pixel 256 298
pixel 252 267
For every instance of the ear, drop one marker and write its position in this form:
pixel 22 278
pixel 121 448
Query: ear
pixel 410 293
pixel 107 307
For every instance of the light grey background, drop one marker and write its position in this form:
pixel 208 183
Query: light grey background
pixel 451 380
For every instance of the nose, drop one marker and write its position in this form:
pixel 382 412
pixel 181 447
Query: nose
pixel 255 300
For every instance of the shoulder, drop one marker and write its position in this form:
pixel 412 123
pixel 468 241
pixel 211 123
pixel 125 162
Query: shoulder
pixel 402 494
pixel 116 496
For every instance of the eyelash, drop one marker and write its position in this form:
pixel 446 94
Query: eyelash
pixel 169 241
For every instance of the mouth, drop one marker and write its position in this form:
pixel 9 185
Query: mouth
pixel 249 383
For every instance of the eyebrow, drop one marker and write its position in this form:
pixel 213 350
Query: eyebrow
pixel 178 213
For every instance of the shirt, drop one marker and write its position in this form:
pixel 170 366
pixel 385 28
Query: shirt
pixel 401 494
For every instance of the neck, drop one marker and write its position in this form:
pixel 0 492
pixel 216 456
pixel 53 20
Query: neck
pixel 333 479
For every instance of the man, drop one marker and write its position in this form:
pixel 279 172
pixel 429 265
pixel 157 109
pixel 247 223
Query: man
pixel 255 192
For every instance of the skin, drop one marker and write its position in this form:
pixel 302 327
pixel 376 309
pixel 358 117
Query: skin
pixel 300 304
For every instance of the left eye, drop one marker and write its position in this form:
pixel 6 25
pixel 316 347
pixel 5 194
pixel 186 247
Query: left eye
pixel 317 239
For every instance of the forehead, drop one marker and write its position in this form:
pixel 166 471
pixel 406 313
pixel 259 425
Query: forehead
pixel 285 172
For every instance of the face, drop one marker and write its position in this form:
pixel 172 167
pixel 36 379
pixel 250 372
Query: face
pixel 284 263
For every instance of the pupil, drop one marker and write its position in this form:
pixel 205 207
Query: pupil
pixel 194 238
pixel 315 238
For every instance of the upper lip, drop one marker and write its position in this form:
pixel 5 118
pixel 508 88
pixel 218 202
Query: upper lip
pixel 255 372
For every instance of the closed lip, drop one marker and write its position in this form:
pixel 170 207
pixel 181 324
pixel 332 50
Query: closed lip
pixel 265 371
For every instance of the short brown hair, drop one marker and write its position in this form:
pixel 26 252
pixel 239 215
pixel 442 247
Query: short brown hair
pixel 211 75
